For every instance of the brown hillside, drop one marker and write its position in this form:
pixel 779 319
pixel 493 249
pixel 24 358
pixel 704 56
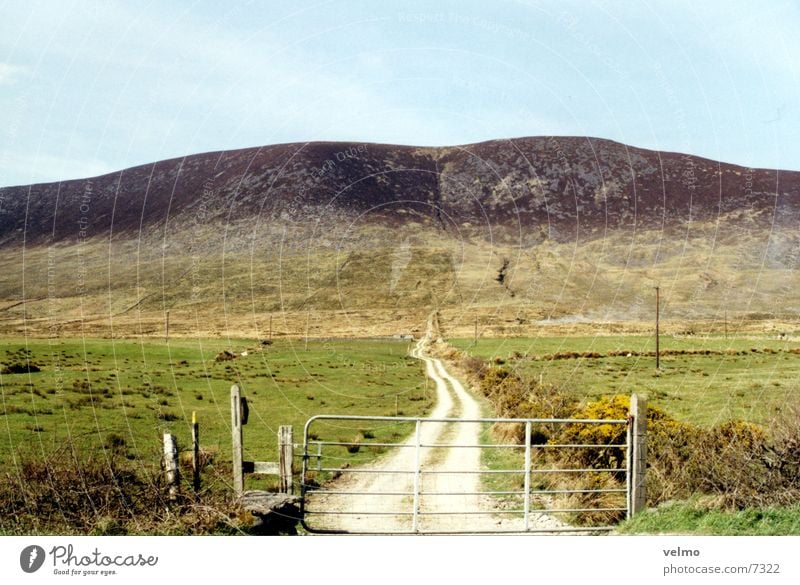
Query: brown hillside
pixel 348 238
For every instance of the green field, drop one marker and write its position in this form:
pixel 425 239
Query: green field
pixel 104 398
pixel 95 395
pixel 704 381
pixel 748 378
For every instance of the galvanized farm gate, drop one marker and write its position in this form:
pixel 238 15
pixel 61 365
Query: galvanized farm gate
pixel 419 487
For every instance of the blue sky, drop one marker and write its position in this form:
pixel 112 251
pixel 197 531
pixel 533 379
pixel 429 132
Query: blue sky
pixel 89 87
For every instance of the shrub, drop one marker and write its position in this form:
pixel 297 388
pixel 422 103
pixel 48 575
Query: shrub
pixel 505 390
pixel 354 445
pixel 66 491
pixel 509 433
pixel 20 368
pixel 671 447
pixel 612 407
pixel 75 490
pixel 473 365
pixel 736 464
pixel 115 442
pixel 748 467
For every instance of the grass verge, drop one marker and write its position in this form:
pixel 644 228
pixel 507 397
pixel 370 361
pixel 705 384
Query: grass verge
pixel 694 518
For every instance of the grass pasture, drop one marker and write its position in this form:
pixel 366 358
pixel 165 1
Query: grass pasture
pixel 702 380
pixel 100 395
pixel 707 476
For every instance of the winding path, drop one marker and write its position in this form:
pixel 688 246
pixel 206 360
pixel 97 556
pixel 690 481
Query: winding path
pixel 449 502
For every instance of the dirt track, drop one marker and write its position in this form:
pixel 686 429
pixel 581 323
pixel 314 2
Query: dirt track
pixel 449 502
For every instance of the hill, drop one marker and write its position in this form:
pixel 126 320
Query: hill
pixel 348 238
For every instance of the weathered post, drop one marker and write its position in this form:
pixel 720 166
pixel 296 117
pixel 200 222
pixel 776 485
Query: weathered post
pixel 658 319
pixel 629 465
pixel 308 324
pixel 171 465
pixel 726 323
pixel 638 485
pixel 286 459
pixel 195 453
pixel 236 434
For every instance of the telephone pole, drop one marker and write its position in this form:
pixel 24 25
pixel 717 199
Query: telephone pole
pixel 726 323
pixel 308 323
pixel 658 353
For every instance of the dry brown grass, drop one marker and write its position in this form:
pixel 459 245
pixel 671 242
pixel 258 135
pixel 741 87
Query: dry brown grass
pixel 73 491
pixel 383 281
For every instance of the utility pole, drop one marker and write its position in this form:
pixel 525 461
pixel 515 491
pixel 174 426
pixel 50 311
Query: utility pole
pixel 476 330
pixel 308 323
pixel 658 353
pixel 270 327
pixel 726 323
pixel 166 333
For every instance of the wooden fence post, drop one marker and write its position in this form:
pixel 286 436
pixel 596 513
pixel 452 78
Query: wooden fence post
pixel 195 453
pixel 286 459
pixel 638 487
pixel 236 434
pixel 171 464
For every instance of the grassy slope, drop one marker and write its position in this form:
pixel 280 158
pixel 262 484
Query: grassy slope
pixel 206 274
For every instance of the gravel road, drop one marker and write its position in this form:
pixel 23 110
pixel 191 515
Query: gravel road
pixel 448 502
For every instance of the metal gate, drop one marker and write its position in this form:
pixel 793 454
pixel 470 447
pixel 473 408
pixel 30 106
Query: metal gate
pixel 406 475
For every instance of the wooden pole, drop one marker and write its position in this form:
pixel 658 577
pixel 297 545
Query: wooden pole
pixel 236 434
pixel 171 465
pixel 308 322
pixel 638 483
pixel 629 465
pixel 476 330
pixel 286 459
pixel 166 334
pixel 270 327
pixel 195 453
pixel 658 307
pixel 726 323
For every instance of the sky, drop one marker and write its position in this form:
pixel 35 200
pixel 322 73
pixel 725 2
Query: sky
pixel 91 87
